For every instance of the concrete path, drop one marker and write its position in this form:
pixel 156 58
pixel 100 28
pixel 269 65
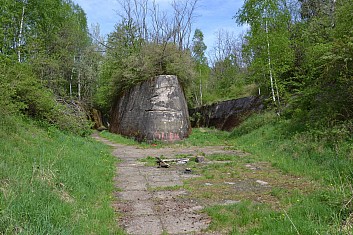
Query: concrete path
pixel 147 211
pixel 149 201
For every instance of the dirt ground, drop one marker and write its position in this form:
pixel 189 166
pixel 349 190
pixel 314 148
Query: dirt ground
pixel 151 199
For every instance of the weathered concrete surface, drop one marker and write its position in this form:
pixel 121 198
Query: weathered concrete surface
pixel 153 110
pixel 143 203
pixel 225 115
pixel 145 211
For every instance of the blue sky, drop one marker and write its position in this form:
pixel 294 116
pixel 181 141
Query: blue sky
pixel 213 15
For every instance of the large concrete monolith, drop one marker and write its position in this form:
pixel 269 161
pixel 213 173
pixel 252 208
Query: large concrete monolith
pixel 152 110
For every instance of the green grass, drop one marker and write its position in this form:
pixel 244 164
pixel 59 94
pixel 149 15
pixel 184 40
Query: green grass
pixel 54 183
pixel 241 217
pixel 206 137
pixel 306 215
pixel 291 149
pixel 198 137
pixel 319 202
pixel 221 157
pixel 149 161
pixel 118 138
pixel 131 141
pixel 295 150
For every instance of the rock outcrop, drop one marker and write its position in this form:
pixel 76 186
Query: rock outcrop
pixel 152 110
pixel 225 115
pixel 96 116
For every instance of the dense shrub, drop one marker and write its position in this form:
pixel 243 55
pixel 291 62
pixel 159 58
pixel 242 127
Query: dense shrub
pixel 21 92
pixel 120 72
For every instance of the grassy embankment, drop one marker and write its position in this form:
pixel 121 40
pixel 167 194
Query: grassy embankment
pixel 52 182
pixel 318 157
pixel 310 175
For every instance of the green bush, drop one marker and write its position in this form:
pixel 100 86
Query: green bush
pixel 121 72
pixel 21 92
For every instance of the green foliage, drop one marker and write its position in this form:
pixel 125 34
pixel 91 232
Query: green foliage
pixel 52 36
pixel 198 83
pixel 309 53
pixel 70 117
pixel 227 81
pixel 324 99
pixel 22 92
pixel 168 59
pixel 199 47
pixel 125 67
pixel 53 183
pixel 228 77
pixel 6 90
pixel 268 46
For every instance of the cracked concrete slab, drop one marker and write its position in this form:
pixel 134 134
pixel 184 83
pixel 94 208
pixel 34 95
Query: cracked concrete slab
pixel 143 225
pixel 134 195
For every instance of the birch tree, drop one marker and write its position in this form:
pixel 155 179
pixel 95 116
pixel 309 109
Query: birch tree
pixel 20 37
pixel 202 69
pixel 268 41
pixel 12 29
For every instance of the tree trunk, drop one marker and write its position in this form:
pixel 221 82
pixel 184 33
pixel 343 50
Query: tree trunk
pixel 72 72
pixel 79 85
pixel 272 79
pixel 200 89
pixel 20 33
pixel 269 62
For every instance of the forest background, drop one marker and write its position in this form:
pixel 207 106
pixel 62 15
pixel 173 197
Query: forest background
pixel 298 55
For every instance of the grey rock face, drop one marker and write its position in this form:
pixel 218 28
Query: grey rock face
pixel 225 115
pixel 153 110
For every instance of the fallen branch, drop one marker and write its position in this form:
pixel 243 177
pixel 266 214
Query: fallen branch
pixel 162 163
